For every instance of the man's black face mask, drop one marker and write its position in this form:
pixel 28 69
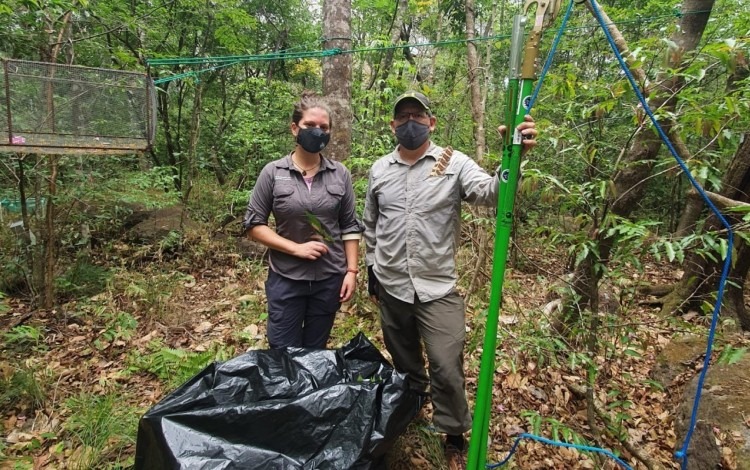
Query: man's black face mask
pixel 412 134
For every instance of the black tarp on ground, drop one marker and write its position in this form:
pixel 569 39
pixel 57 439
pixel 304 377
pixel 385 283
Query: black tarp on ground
pixel 281 409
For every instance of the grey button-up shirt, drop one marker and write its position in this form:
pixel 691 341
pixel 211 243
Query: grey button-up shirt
pixel 413 221
pixel 281 190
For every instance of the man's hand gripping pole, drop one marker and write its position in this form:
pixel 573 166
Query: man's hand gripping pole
pixel 518 98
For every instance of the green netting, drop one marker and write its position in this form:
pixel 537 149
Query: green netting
pixel 56 108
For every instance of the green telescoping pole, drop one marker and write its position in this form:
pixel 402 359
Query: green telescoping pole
pixel 518 96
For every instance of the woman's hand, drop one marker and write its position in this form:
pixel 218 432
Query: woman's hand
pixel 348 286
pixel 310 250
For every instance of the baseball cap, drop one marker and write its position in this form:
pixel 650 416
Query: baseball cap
pixel 413 95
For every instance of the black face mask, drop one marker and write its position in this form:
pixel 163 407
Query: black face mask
pixel 412 134
pixel 312 139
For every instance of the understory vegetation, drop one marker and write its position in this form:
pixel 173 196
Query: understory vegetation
pixel 137 319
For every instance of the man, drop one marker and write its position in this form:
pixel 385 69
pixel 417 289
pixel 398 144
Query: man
pixel 412 226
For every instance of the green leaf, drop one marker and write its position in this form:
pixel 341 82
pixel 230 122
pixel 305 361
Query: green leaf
pixel 582 254
pixel 670 251
pixel 723 246
pixel 731 355
pixel 318 227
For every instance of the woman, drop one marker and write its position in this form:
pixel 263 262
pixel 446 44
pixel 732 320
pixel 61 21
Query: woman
pixel 313 252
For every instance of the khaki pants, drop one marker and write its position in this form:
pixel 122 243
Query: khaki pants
pixel 440 325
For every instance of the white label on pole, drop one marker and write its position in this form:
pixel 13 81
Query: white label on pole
pixel 517 137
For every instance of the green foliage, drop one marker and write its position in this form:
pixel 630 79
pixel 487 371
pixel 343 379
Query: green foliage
pixel 730 355
pixel 3 305
pixel 26 387
pixel 150 292
pixel 557 430
pixel 175 366
pixel 24 337
pixel 82 279
pixel 100 427
pixel 118 326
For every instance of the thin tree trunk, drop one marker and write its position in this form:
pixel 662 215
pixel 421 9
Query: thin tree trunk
pixel 26 221
pixel 51 238
pixel 472 57
pixel 397 23
pixel 433 58
pixel 337 76
pixel 195 126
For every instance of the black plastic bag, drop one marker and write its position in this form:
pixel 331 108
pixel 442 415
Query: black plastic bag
pixel 289 408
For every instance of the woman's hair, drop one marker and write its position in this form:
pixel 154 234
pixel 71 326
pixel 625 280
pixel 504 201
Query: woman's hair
pixel 310 100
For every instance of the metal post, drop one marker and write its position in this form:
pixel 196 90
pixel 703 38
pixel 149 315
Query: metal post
pixel 518 98
pixel 509 168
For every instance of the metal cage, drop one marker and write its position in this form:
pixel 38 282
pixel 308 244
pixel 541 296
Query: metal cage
pixel 64 109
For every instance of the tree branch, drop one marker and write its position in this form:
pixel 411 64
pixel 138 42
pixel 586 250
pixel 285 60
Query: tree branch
pixel 580 392
pixel 722 202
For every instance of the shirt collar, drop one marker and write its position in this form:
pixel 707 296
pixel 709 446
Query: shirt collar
pixel 432 151
pixel 288 164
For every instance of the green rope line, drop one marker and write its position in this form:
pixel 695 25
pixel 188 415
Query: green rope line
pixel 290 54
pixel 278 55
pixel 193 73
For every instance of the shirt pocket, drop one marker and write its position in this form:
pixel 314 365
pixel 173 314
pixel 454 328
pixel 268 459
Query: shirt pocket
pixel 334 194
pixel 283 199
pixel 438 192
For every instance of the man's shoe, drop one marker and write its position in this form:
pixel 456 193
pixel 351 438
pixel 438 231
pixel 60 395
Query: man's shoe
pixel 455 457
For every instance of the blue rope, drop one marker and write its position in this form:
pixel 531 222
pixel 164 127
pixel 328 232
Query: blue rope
pixel 682 453
pixel 558 444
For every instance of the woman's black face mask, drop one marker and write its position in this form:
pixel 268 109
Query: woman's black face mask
pixel 312 139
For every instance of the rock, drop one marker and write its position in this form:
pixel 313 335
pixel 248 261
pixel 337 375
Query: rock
pixel 156 225
pixel 725 402
pixel 677 357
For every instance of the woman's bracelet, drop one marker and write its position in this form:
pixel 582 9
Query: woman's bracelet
pixel 354 271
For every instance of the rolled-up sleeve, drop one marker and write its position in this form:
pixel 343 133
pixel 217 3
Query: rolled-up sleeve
pixel 260 202
pixel 351 227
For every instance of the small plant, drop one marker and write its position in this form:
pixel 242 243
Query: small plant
pixel 176 366
pixel 23 388
pixel 119 326
pixel 100 427
pixel 24 336
pixel 151 293
pixel 558 431
pixel 731 355
pixel 3 306
pixel 83 279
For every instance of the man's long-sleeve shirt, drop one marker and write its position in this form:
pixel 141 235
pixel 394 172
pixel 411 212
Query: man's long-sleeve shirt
pixel 413 221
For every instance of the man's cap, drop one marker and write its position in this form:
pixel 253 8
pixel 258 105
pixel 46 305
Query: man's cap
pixel 412 95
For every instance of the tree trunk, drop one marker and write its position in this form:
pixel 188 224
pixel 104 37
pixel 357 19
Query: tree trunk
pixel 699 279
pixel 472 56
pixel 433 58
pixel 637 162
pixel 337 76
pixel 192 159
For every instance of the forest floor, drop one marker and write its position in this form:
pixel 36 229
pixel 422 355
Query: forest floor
pixel 77 378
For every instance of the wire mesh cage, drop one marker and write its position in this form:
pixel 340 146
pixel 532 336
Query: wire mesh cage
pixel 62 109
